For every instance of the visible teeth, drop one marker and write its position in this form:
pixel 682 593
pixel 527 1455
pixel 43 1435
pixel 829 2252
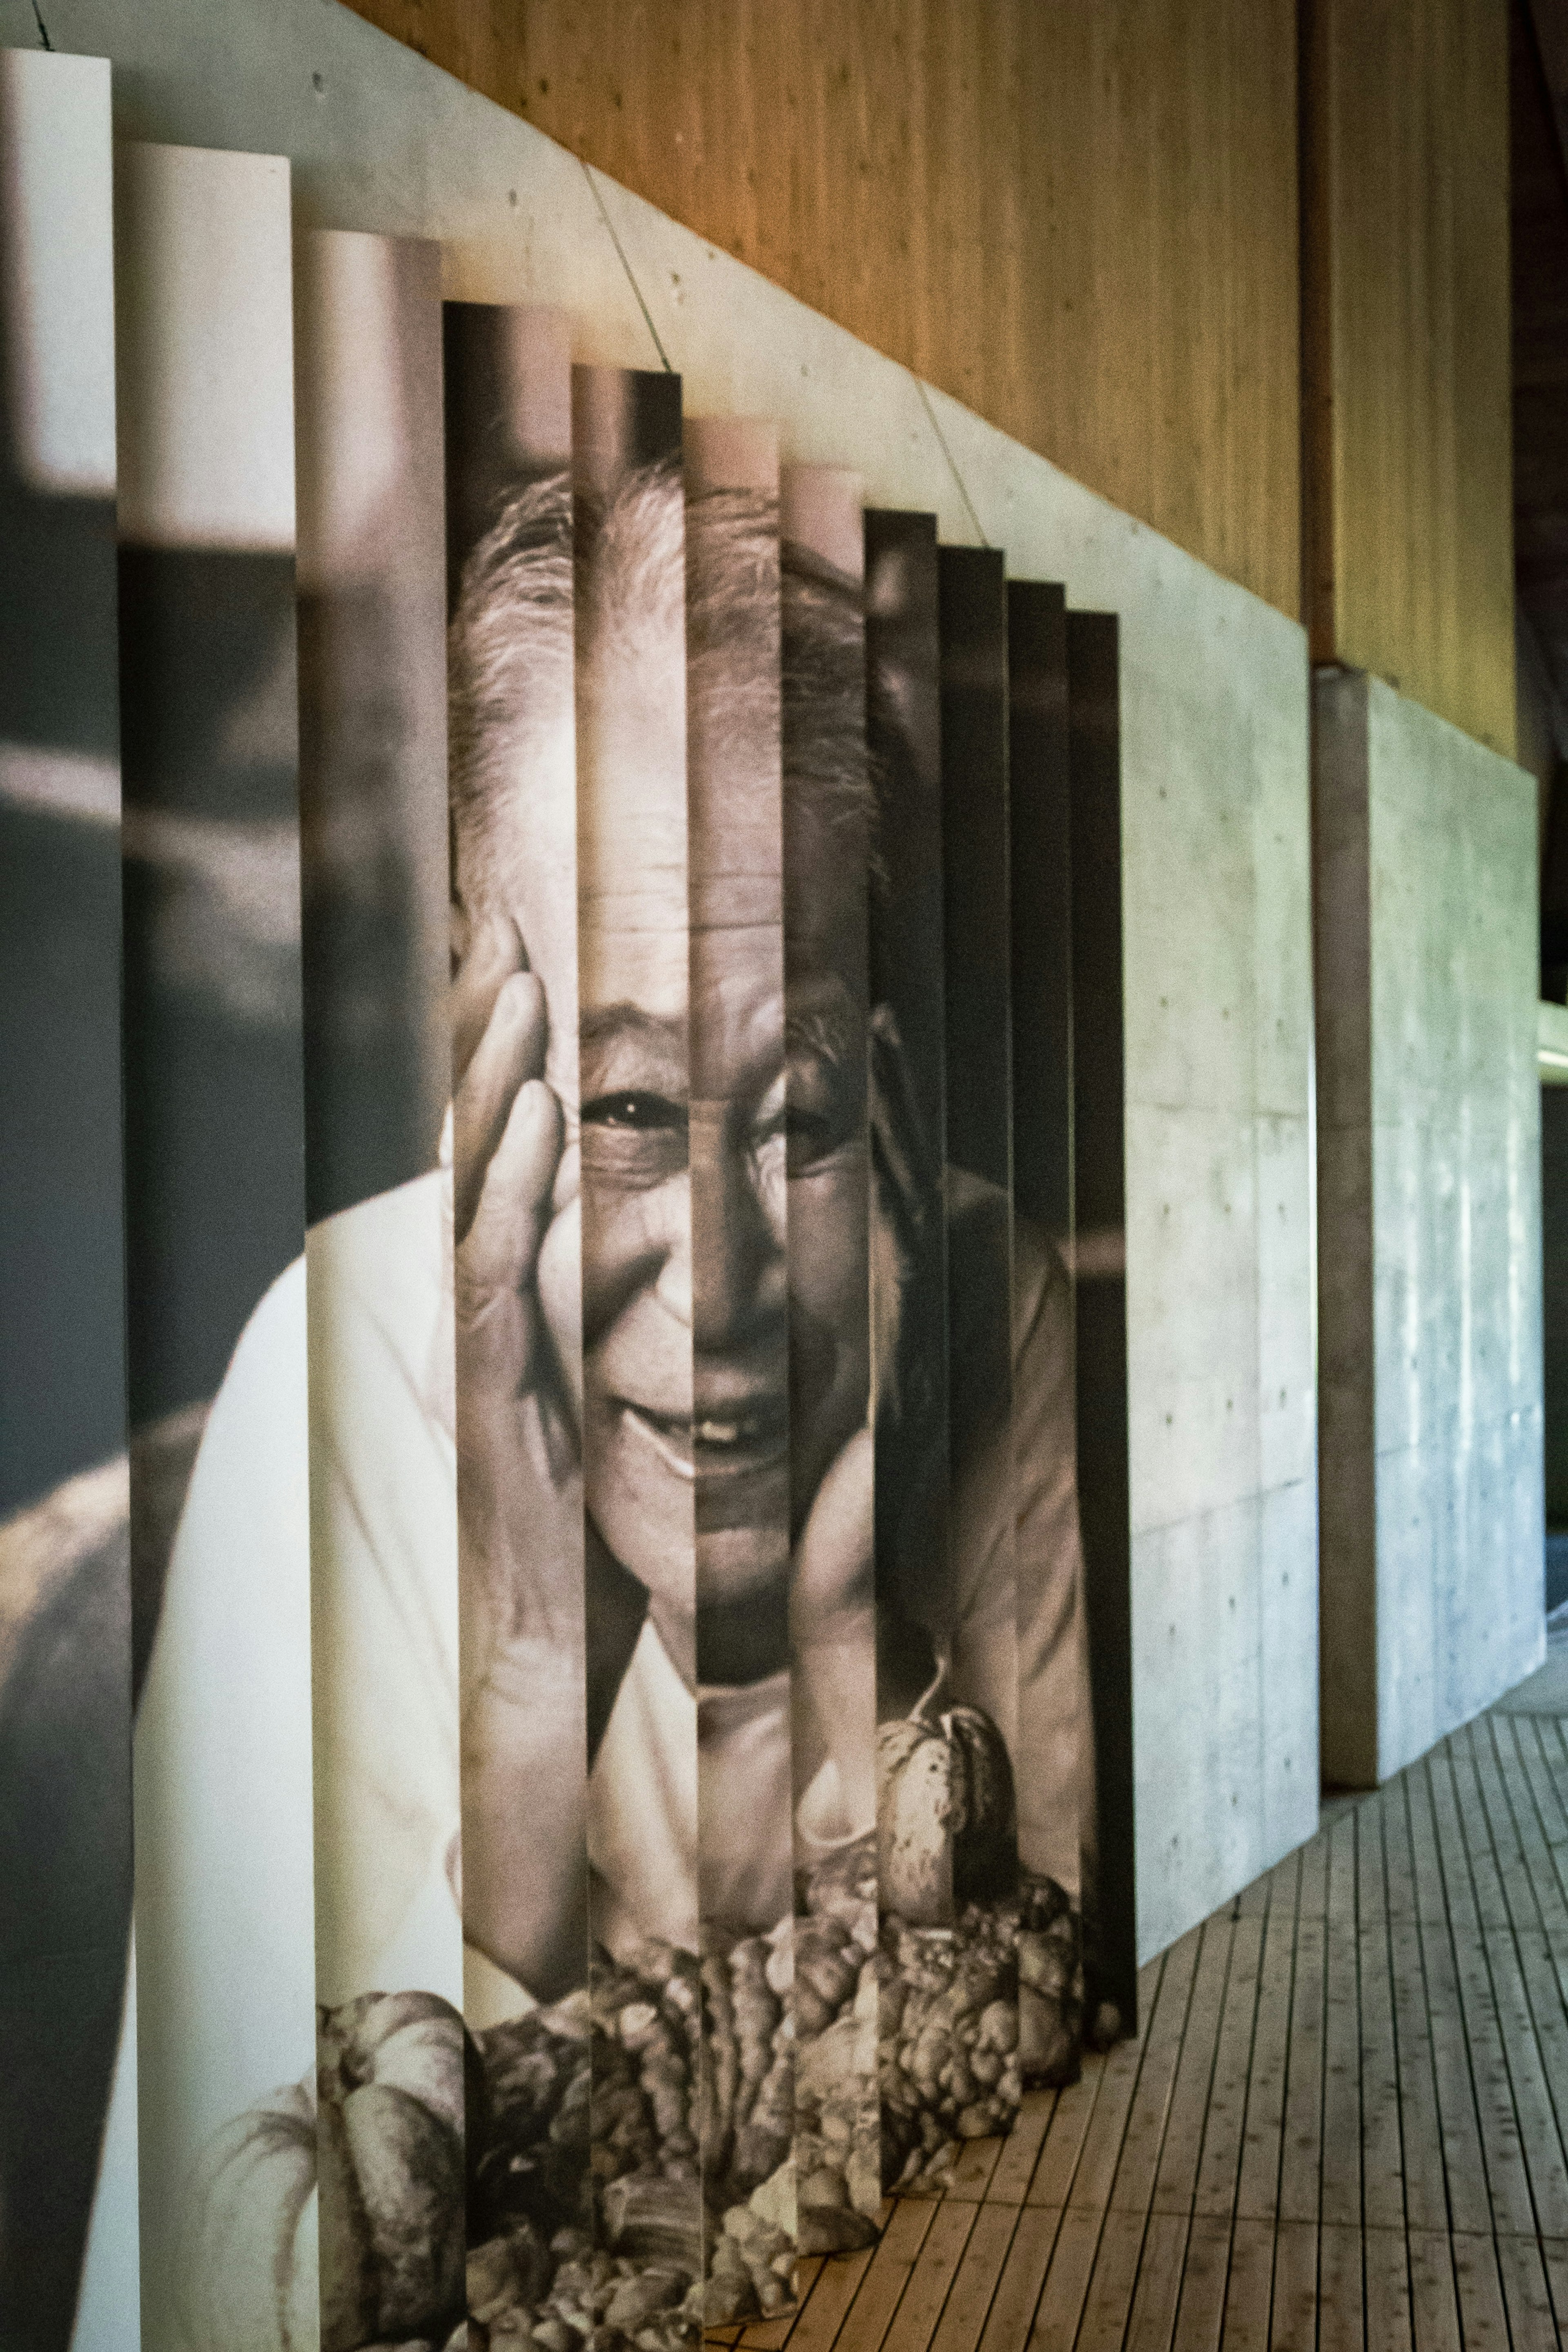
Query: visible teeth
pixel 728 1433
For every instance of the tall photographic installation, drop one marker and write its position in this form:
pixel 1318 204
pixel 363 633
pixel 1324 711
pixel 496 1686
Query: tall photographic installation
pixel 828 833
pixel 585 1416
pixel 66 1664
pixel 383 1581
pixel 216 1206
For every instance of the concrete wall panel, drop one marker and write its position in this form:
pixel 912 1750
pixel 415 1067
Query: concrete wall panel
pixel 1429 1189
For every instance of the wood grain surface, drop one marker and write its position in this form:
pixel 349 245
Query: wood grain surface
pixel 1341 2128
pixel 1406 350
pixel 1079 220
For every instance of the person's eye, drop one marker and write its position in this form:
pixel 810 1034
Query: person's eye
pixel 636 1113
pixel 812 1137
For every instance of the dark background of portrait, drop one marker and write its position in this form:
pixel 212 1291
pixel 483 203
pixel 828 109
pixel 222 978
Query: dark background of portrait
pixel 62 1381
pixel 214 1135
pixel 976 912
pixel 977 962
pixel 1099 1271
pixel 66 1672
pixel 1041 881
pixel 373 777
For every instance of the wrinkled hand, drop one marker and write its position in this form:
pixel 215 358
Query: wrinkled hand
pixel 520 1490
pixel 506 1147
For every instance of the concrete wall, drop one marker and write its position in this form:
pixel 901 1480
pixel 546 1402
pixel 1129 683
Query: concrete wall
pixel 1554 1297
pixel 1216 824
pixel 1429 1109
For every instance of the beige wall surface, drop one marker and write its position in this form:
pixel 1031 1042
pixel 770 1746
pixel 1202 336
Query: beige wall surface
pixel 1083 222
pixel 1078 220
pixel 1410 515
pixel 1214 808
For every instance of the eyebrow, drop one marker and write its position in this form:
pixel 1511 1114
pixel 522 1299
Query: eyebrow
pixel 829 1032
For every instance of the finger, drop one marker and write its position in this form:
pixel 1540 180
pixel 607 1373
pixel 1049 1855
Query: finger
pixel 494 953
pixel 499 1255
pixel 510 1053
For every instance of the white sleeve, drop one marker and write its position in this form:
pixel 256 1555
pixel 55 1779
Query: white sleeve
pixel 223 1906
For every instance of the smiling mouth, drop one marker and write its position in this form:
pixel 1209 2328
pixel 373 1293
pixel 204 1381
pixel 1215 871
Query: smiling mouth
pixel 736 1443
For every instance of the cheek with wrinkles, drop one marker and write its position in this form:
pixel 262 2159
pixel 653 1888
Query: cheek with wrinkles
pixel 630 1237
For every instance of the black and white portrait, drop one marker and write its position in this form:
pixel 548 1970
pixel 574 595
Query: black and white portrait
pixel 614 1784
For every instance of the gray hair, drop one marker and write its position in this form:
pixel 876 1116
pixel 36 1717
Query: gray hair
pixel 558 579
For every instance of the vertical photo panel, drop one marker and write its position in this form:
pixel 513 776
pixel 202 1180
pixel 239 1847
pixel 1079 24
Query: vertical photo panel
pixel 973 1624
pixel 1056 1778
pixel 635 967
pixel 373 816
pixel 216 1218
pixel 1099 1286
pixel 517 1290
pixel 66 1660
pixel 740 1338
pixel 915 1872
pixel 828 825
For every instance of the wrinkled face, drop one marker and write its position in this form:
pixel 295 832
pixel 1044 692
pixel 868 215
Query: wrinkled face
pixel 717 1166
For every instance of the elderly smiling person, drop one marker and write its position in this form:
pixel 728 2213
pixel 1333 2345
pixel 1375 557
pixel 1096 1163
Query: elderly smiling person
pixel 654 1294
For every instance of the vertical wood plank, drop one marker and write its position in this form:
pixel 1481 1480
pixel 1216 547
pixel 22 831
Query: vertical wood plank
pixel 1460 2092
pixel 1140 2145
pixel 914 2323
pixel 1177 2175
pixel 1153 2318
pixel 1065 2133
pixel 1388 2312
pixel 1257 2193
pixel 1300 2160
pixel 969 2300
pixel 1023 2275
pixel 1533 2326
pixel 1421 2141
pixel 1434 2306
pixel 1342 2317
pixel 1250 2286
pixel 1020 2150
pixel 1294 2320
pixel 1483 2323
pixel 1340 2186
pixel 1060 2306
pixel 1109 2305
pixel 1228 2103
pixel 879 2292
pixel 1200 2314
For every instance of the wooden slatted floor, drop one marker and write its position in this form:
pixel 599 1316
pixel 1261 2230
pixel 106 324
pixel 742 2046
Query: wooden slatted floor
pixel 1343 2125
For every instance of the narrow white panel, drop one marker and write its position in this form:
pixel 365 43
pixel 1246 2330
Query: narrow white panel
pixel 372 580
pixel 206 349
pixel 65 1613
pixel 58 260
pixel 225 1909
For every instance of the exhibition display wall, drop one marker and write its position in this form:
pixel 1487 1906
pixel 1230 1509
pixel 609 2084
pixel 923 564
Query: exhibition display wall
pixel 1213 749
pixel 618 1038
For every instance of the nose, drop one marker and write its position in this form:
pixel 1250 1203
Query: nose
pixel 738 1267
